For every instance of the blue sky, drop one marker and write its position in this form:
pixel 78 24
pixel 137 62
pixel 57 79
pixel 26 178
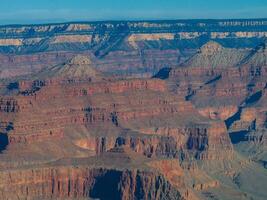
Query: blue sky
pixel 41 11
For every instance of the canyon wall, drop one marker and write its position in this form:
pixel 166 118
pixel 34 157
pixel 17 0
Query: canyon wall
pixel 84 182
pixel 136 49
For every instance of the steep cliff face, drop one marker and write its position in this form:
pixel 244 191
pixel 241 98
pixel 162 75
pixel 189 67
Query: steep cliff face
pixel 83 182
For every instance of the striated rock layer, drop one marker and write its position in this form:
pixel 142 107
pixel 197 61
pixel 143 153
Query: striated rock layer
pixel 83 182
pixel 71 131
pixel 74 111
pixel 129 48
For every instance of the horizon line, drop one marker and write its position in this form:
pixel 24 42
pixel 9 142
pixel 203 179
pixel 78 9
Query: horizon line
pixel 125 20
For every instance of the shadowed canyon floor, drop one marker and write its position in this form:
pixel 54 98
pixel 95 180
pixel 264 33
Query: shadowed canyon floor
pixel 193 127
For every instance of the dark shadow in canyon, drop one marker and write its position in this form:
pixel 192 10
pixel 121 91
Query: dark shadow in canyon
pixel 232 119
pixel 3 142
pixel 107 186
pixel 239 136
pixel 213 80
pixel 13 86
pixel 253 98
pixel 163 73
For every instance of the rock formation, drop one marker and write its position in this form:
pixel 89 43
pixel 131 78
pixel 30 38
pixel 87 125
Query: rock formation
pixel 213 55
pixel 78 67
pixel 234 94
pixel 77 109
pixel 73 130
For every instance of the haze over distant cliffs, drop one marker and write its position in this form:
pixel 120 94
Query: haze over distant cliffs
pixel 137 48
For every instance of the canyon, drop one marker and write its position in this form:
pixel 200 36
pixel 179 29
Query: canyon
pixel 134 110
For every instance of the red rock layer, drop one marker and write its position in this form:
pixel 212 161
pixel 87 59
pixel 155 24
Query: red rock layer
pixel 81 182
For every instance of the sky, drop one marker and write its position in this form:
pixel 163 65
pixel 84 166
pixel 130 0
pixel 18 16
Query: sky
pixel 47 11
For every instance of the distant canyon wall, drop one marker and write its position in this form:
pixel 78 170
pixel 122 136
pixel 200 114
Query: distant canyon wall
pixel 38 38
pixel 128 48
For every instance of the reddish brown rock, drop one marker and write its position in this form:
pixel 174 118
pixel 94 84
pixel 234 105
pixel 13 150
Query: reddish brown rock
pixel 66 134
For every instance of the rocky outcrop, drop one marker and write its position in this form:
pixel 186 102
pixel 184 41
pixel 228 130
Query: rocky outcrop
pixel 83 182
pixel 78 67
pixel 213 55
